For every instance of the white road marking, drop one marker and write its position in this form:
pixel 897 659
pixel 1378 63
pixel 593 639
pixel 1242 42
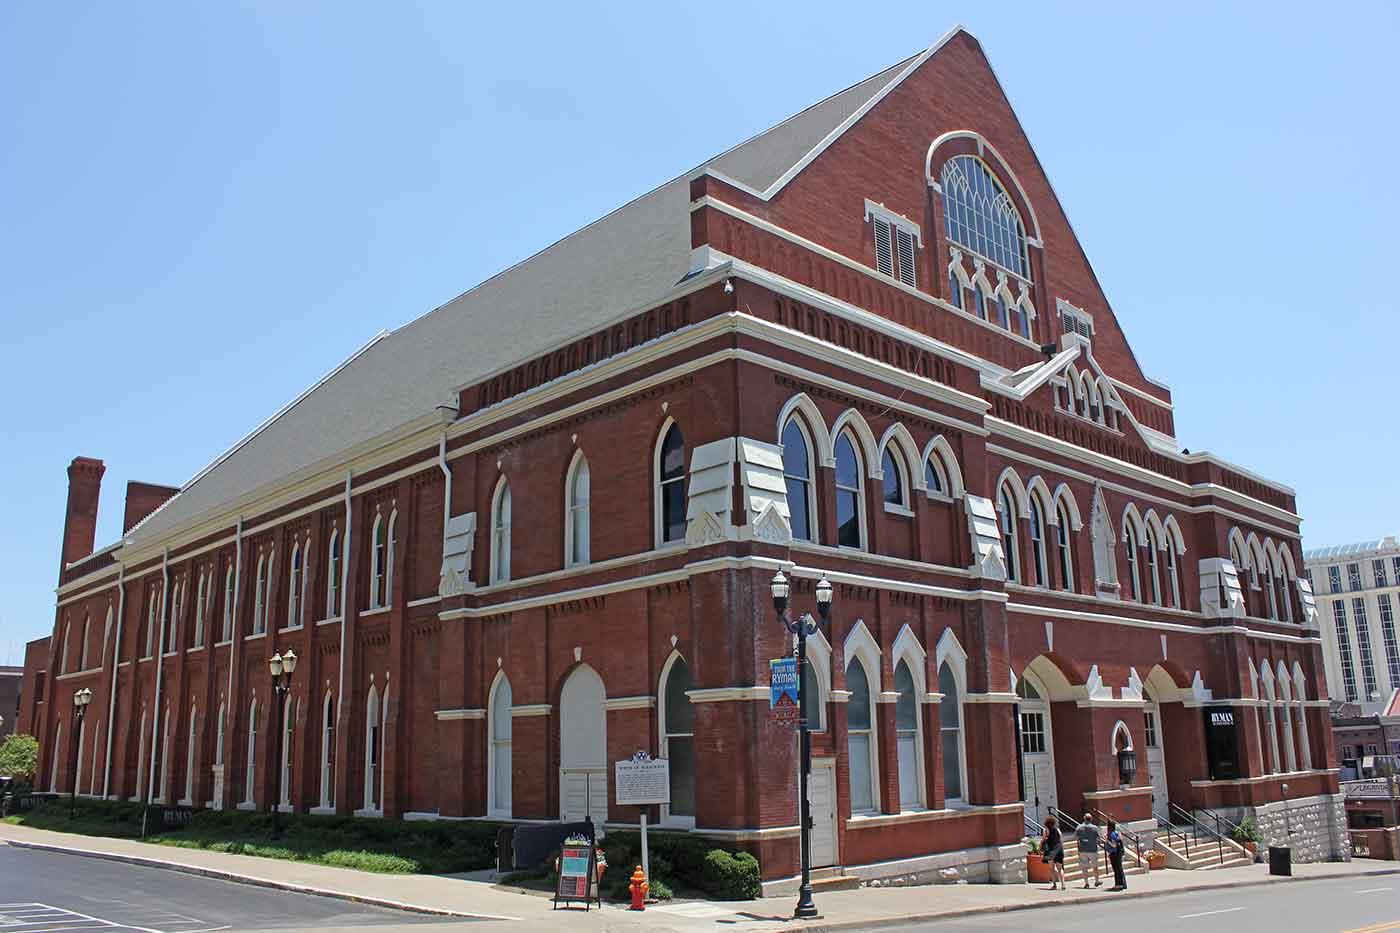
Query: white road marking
pixel 695 910
pixel 1371 890
pixel 1210 913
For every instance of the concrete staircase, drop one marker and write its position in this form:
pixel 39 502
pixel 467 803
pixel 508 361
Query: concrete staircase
pixel 1190 852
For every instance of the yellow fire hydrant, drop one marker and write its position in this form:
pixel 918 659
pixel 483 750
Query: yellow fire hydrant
pixel 639 888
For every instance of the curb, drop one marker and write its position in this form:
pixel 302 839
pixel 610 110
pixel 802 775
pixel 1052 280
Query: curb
pixel 1043 905
pixel 237 878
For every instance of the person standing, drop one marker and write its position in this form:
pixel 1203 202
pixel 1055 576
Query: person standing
pixel 1114 846
pixel 1087 835
pixel 1052 849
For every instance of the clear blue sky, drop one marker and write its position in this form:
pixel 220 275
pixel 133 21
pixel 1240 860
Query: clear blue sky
pixel 204 207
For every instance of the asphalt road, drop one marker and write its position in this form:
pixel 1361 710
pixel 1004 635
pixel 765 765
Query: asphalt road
pixel 47 892
pixel 1353 905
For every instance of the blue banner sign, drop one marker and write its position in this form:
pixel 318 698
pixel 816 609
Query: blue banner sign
pixel 783 683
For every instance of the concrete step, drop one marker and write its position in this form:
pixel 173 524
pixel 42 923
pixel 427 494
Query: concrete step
pixel 833 879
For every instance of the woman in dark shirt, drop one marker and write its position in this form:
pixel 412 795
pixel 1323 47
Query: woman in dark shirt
pixel 1052 849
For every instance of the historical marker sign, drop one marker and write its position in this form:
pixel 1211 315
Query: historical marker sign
pixel 642 780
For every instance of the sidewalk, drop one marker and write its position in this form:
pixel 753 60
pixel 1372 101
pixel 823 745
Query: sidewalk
pixel 841 910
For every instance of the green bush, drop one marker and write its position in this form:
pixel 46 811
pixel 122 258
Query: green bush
pixel 19 757
pixel 392 846
pixel 679 862
pixel 731 877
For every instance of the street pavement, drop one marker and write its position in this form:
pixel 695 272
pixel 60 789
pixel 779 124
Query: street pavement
pixel 47 891
pixel 1337 905
pixel 249 893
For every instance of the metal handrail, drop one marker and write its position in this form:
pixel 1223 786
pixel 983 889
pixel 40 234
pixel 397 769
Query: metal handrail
pixel 1165 823
pixel 1201 828
pixel 1130 835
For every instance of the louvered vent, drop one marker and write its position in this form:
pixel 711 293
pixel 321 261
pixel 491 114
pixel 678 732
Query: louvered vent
pixel 883 259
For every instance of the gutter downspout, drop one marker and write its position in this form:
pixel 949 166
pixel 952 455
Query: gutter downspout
pixel 116 666
pixel 446 486
pixel 160 668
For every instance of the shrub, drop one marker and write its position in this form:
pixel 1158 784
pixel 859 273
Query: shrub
pixel 19 757
pixel 1247 831
pixel 731 876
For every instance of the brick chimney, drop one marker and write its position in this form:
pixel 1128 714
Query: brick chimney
pixel 142 499
pixel 80 521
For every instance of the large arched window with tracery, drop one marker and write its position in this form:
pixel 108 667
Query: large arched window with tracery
pixel 979 216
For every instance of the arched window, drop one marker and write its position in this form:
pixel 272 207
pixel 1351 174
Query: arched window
pixel 327 753
pixel 892 465
pixel 811 688
pixel 333 576
pixel 670 486
pixel 1173 580
pixel 500 532
pixel 97 744
pixel 933 478
pixel 227 633
pixel 1062 549
pixel 191 759
pixel 1003 312
pixel 294 589
pixel 1130 546
pixel 201 608
pixel 980 216
pixel 250 770
pixel 390 550
pixel 576 522
pixel 172 627
pixel 373 747
pixel 1286 593
pixel 289 721
pixel 955 289
pixel 1037 529
pixel 906 730
pixel 1006 514
pixel 1153 578
pixel 63 658
pixel 142 789
pixel 950 732
pixel 260 598
pixel 860 739
pixel 500 766
pixel 678 740
pixel 78 757
pixel 1271 714
pixel 106 635
pixel 152 608
pixel 848 495
pixel 797 476
pixel 57 744
pixel 219 739
pixel 83 646
pixel 378 563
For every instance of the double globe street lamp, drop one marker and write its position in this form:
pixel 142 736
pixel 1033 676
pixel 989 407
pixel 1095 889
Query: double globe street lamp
pixel 81 699
pixel 804 625
pixel 282 667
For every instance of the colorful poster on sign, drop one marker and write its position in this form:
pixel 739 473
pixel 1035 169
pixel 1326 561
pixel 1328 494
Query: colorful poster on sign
pixel 783 698
pixel 575 873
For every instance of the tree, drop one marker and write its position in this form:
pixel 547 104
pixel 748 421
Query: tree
pixel 19 757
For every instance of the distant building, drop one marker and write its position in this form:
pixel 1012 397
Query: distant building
pixel 10 689
pixel 1357 588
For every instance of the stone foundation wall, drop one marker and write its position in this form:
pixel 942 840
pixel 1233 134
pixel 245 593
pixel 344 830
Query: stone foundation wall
pixel 1318 825
pixel 990 865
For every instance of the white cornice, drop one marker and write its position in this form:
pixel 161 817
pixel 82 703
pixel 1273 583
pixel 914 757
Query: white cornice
pixel 447 715
pixel 637 702
pixel 1175 627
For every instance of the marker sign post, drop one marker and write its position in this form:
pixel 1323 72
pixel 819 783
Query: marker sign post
pixel 642 781
pixel 784 703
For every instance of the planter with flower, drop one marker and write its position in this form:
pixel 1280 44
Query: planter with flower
pixel 1247 835
pixel 1037 869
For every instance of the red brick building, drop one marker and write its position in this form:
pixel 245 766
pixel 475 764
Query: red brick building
pixel 533 531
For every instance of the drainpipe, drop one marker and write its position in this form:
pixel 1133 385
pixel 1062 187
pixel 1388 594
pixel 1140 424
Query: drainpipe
pixel 446 485
pixel 116 664
pixel 160 667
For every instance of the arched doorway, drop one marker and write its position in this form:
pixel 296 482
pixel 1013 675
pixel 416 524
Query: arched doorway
pixel 583 748
pixel 1037 748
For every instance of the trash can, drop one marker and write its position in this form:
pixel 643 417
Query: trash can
pixel 1280 860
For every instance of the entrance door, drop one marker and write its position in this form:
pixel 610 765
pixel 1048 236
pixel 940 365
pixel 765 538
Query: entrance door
pixel 583 743
pixel 821 792
pixel 1037 751
pixel 1156 763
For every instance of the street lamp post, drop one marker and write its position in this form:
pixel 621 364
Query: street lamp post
pixel 282 667
pixel 804 625
pixel 81 699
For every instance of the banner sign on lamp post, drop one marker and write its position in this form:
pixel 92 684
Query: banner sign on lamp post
pixel 783 700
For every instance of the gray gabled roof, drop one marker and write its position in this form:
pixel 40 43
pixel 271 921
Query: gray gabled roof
pixel 628 260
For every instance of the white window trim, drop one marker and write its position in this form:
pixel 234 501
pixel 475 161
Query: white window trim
pixel 812 464
pixel 571 556
pixel 906 648
pixel 376 563
pixel 493 807
pixel 877 211
pixel 328 713
pixel 950 651
pixel 658 501
pixel 861 478
pixel 663 739
pixel 501 542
